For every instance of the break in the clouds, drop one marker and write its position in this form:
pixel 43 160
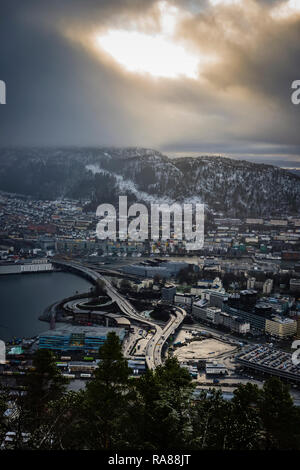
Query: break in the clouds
pixel 211 76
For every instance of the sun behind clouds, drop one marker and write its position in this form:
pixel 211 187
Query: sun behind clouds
pixel 158 55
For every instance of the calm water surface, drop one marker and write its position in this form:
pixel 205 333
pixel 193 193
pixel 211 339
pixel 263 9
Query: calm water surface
pixel 24 297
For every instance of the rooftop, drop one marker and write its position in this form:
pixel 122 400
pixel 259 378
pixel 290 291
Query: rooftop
pixel 68 330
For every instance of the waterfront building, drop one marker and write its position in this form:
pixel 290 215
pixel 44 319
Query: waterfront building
pixel 77 338
pixel 27 266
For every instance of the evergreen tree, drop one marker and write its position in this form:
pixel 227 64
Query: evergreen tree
pixel 107 399
pixel 165 396
pixel 44 383
pixel 245 423
pixel 209 418
pixel 4 402
pixel 280 416
pixel 61 427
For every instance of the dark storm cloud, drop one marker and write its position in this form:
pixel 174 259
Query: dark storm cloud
pixel 60 92
pixel 261 59
pixel 55 93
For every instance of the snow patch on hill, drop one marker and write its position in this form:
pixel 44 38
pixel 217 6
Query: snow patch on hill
pixel 128 186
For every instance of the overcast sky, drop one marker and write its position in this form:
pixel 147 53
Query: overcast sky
pixel 184 77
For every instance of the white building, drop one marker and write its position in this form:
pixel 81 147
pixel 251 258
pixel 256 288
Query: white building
pixel 251 283
pixel 281 327
pixel 268 286
pixel 183 299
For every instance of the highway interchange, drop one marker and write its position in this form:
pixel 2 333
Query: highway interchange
pixel 153 350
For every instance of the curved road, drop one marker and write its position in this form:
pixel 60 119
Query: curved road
pixel 153 352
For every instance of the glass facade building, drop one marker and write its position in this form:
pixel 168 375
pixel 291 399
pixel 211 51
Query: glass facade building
pixel 76 338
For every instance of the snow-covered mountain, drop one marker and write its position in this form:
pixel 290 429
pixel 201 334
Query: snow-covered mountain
pixel 235 187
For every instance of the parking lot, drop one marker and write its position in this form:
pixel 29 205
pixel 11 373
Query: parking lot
pixel 270 360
